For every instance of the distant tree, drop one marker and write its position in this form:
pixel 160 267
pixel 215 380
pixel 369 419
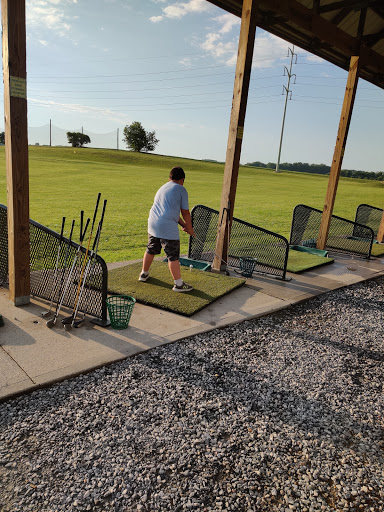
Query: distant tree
pixel 137 139
pixel 2 137
pixel 77 139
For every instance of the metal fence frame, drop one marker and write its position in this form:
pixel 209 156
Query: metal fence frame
pixel 344 235
pixel 369 216
pixel 44 246
pixel 246 240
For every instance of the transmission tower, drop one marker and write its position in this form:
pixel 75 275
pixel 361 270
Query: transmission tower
pixel 287 92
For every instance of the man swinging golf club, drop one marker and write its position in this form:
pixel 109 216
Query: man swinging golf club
pixel 170 201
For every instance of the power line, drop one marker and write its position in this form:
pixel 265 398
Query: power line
pixel 169 109
pixel 151 72
pixel 157 80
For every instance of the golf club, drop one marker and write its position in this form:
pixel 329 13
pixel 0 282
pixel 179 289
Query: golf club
pixel 68 320
pixel 52 322
pixel 91 260
pixel 54 285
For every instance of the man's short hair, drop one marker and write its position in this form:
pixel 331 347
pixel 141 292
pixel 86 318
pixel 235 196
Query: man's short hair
pixel 177 174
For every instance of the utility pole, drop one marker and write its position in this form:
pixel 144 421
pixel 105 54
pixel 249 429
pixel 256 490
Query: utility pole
pixel 287 91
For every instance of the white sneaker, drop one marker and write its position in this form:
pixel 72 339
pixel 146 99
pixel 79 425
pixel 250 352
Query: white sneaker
pixel 143 276
pixel 184 287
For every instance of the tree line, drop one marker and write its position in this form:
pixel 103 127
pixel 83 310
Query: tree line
pixel 320 169
pixel 135 137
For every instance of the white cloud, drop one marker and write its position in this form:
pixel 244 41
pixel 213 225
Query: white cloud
pixel 228 21
pixel 49 14
pixel 179 9
pixel 268 50
pixel 186 61
pixel 222 43
pixel 82 109
pixel 156 19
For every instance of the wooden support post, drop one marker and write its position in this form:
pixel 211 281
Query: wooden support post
pixel 334 175
pixel 380 233
pixel 236 127
pixel 16 148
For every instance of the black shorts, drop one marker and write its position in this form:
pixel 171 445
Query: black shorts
pixel 171 247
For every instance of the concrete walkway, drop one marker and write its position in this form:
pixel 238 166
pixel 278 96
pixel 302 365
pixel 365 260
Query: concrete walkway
pixel 31 355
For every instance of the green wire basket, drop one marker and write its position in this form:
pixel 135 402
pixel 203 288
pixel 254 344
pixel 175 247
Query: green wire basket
pixel 120 309
pixel 247 266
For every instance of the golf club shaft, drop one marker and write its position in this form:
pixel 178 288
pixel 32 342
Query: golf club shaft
pixel 91 258
pixel 62 276
pixel 82 235
pixel 86 254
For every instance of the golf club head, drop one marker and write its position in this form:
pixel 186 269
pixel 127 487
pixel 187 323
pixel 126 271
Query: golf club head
pixel 50 323
pixel 45 313
pixel 67 327
pixel 67 320
pixel 78 323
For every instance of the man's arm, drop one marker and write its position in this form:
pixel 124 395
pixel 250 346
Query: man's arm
pixel 187 221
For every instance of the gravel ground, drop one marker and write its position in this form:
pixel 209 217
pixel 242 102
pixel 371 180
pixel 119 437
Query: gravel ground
pixel 281 413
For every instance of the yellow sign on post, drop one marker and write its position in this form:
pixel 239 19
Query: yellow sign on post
pixel 240 131
pixel 18 87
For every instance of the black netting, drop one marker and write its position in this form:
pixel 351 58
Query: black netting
pixel 344 235
pixel 369 216
pixel 45 251
pixel 246 240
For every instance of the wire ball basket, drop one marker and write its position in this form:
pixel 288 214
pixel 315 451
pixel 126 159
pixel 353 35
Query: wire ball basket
pixel 247 266
pixel 120 309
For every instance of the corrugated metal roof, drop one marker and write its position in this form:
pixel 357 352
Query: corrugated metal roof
pixel 332 29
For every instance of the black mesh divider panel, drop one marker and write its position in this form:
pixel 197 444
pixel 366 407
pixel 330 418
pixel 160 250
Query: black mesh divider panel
pixel 342 232
pixel 44 250
pixel 246 240
pixel 369 216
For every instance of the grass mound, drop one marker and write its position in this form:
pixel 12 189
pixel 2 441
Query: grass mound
pixel 157 291
pixel 300 261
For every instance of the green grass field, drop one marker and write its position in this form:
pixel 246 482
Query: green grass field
pixel 65 180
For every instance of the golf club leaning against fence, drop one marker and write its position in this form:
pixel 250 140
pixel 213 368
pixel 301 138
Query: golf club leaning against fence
pixel 55 276
pixel 69 319
pixel 52 322
pixel 91 261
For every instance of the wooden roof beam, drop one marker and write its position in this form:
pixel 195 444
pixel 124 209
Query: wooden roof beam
pixel 360 28
pixel 324 30
pixel 379 11
pixel 351 4
pixel 340 16
pixel 372 39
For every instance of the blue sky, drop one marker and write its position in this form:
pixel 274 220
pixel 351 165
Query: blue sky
pixel 102 64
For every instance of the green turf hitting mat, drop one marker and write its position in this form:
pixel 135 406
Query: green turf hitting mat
pixel 377 250
pixel 157 291
pixel 299 261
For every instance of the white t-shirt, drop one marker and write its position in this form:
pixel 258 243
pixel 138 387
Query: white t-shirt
pixel 165 212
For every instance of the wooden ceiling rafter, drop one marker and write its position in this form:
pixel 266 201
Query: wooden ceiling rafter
pixel 335 31
pixel 355 5
pixel 372 39
pixel 340 16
